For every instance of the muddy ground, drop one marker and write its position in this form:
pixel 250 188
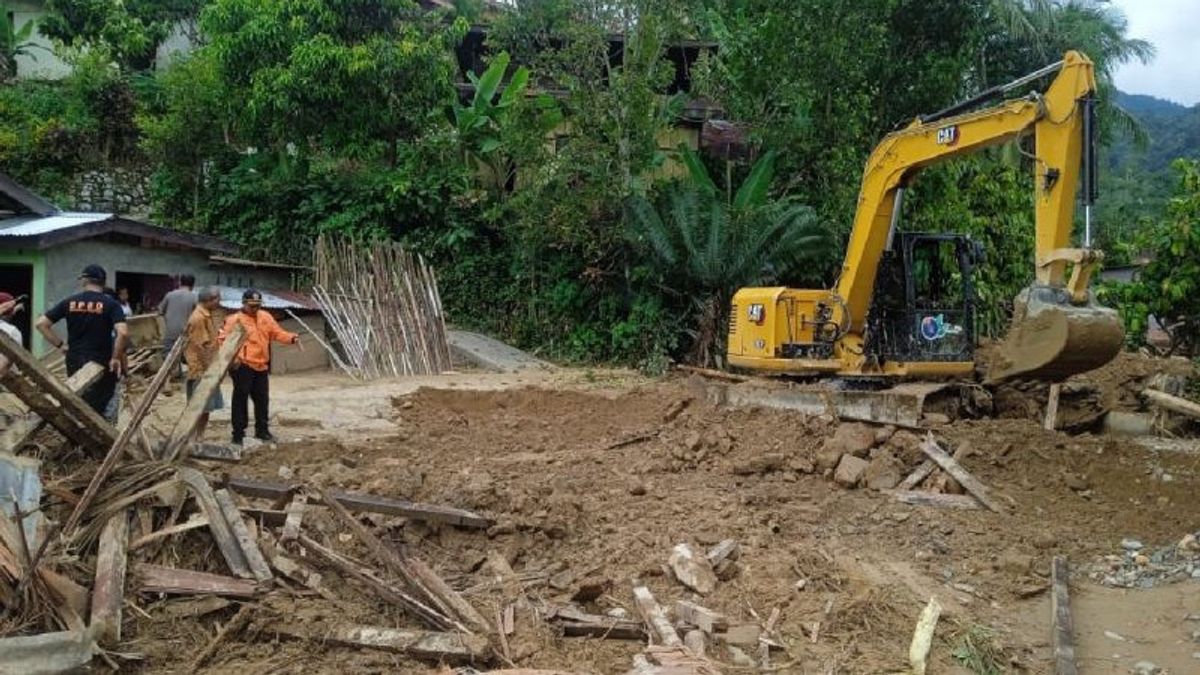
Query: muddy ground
pixel 597 475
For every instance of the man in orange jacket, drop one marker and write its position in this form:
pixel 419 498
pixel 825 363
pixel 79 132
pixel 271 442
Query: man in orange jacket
pixel 251 365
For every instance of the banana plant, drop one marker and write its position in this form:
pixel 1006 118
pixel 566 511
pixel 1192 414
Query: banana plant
pixel 482 124
pixel 14 41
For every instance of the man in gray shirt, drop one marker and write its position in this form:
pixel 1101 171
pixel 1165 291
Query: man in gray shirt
pixel 176 308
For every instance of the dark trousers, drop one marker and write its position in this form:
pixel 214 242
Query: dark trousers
pixel 250 384
pixel 98 395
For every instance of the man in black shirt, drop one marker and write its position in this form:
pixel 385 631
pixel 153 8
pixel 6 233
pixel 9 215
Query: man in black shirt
pixel 93 318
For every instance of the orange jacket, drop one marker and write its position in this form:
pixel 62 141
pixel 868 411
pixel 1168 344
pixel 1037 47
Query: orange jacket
pixel 260 329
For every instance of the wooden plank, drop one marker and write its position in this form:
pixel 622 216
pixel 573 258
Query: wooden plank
pixel 418 576
pixel 969 482
pixel 216 452
pixel 425 645
pixel 194 523
pixel 919 474
pixel 159 579
pixel 655 617
pixel 185 426
pixel 377 585
pixel 43 393
pixel 23 430
pixel 122 439
pixel 1064 625
pixel 577 623
pixel 701 617
pixel 364 502
pixel 1172 403
pixel 1052 407
pixel 295 516
pixel 250 551
pixel 935 499
pixel 222 533
pixel 108 593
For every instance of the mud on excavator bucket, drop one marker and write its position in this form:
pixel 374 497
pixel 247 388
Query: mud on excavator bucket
pixel 1052 339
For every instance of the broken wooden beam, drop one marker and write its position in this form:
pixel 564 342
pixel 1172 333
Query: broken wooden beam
pixel 172 581
pixel 1051 420
pixel 578 623
pixel 22 431
pixel 701 617
pixel 216 452
pixel 43 393
pixel 969 482
pixel 295 516
pixel 935 499
pixel 923 470
pixel 377 586
pixel 415 573
pixel 250 551
pixel 185 427
pixel 1064 625
pixel 425 645
pixel 1175 404
pixel 654 616
pixel 108 593
pixel 197 521
pixel 222 532
pixel 363 502
pixel 118 444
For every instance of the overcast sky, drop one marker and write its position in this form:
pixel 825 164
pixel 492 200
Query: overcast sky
pixel 1174 28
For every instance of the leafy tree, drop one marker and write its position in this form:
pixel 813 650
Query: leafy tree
pixel 1168 288
pixel 129 30
pixel 710 242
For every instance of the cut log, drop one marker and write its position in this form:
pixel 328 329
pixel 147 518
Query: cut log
pixel 655 617
pixel 131 428
pixel 1064 625
pixel 185 426
pixel 159 579
pixel 364 502
pixel 1173 403
pixel 701 617
pixel 969 482
pixel 424 645
pixel 377 586
pixel 935 499
pixel 108 593
pixel 295 516
pixel 226 541
pixel 919 474
pixel 692 570
pixel 22 431
pixel 250 551
pixel 43 393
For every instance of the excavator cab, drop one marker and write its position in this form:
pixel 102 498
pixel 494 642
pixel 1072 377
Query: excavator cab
pixel 923 308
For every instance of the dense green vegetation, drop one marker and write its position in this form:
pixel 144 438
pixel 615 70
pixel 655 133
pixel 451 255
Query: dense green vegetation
pixel 549 187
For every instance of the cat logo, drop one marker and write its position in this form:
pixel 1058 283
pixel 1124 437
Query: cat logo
pixel 948 135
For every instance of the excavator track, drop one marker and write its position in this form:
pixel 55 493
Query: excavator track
pixel 1052 339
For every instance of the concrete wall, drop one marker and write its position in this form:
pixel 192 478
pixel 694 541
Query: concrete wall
pixel 44 64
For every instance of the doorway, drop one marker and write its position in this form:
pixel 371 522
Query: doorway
pixel 17 280
pixel 146 291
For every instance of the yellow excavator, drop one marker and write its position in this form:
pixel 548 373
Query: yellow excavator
pixel 903 305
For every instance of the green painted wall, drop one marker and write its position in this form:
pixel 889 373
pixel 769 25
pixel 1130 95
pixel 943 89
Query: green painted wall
pixel 37 299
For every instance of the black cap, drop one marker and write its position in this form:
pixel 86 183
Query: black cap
pixel 252 295
pixel 94 273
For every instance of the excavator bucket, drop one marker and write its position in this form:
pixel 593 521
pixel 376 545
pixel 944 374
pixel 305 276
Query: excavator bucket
pixel 1052 339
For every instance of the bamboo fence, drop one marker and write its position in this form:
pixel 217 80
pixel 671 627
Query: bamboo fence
pixel 382 303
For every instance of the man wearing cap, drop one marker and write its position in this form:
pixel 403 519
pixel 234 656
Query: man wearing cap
pixel 93 318
pixel 252 364
pixel 8 307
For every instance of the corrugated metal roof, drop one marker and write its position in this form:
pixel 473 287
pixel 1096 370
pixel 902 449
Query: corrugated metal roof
pixel 32 226
pixel 231 298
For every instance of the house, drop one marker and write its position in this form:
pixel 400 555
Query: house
pixel 41 63
pixel 43 249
